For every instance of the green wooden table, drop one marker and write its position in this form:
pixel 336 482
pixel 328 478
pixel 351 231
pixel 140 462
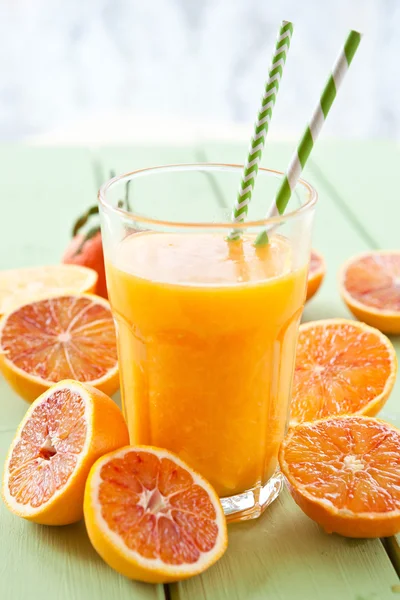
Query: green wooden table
pixel 283 555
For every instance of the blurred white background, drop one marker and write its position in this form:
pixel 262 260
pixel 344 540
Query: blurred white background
pixel 98 71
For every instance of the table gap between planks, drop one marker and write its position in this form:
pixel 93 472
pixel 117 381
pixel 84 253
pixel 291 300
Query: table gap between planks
pixel 283 555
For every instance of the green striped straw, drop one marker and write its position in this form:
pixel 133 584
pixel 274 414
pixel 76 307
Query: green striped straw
pixel 313 129
pixel 261 125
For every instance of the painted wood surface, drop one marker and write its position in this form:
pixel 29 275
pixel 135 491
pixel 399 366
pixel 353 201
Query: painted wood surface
pixel 363 179
pixel 284 555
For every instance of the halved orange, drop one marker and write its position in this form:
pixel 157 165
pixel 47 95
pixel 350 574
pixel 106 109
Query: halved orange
pixel 63 337
pixel 370 286
pixel 62 434
pixel 151 517
pixel 19 286
pixel 316 273
pixel 342 367
pixel 344 473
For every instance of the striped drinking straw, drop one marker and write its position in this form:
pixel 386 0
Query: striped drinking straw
pixel 261 125
pixel 312 131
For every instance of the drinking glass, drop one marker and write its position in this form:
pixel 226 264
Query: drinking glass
pixel 207 326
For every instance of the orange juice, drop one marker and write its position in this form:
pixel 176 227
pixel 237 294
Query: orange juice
pixel 207 332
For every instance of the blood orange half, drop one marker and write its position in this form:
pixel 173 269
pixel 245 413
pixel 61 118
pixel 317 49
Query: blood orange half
pixel 63 337
pixel 62 434
pixel 370 286
pixel 343 472
pixel 342 367
pixel 151 517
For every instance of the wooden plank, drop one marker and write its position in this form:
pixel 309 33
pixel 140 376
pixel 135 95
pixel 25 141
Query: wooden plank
pixel 57 562
pixel 284 554
pixel 43 190
pixel 363 179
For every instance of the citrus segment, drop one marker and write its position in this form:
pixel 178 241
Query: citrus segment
pixel 342 367
pixel 370 286
pixel 59 338
pixel 316 273
pixel 19 286
pixel 344 474
pixel 151 517
pixel 63 433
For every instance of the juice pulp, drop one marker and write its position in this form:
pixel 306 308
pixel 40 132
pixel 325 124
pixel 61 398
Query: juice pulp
pixel 207 331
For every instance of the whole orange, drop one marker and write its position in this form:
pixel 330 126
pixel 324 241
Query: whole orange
pixel 86 248
pixel 88 251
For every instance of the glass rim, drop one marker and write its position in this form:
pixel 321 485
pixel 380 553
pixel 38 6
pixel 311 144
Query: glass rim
pixel 204 166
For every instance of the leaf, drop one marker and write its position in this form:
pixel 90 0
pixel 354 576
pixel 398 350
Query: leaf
pixel 88 236
pixel 81 222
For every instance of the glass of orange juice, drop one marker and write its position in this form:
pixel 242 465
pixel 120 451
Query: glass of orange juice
pixel 207 327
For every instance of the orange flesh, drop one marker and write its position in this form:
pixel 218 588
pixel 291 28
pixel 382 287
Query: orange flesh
pixel 375 281
pixel 48 448
pixel 156 508
pixel 354 463
pixel 339 369
pixel 61 338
